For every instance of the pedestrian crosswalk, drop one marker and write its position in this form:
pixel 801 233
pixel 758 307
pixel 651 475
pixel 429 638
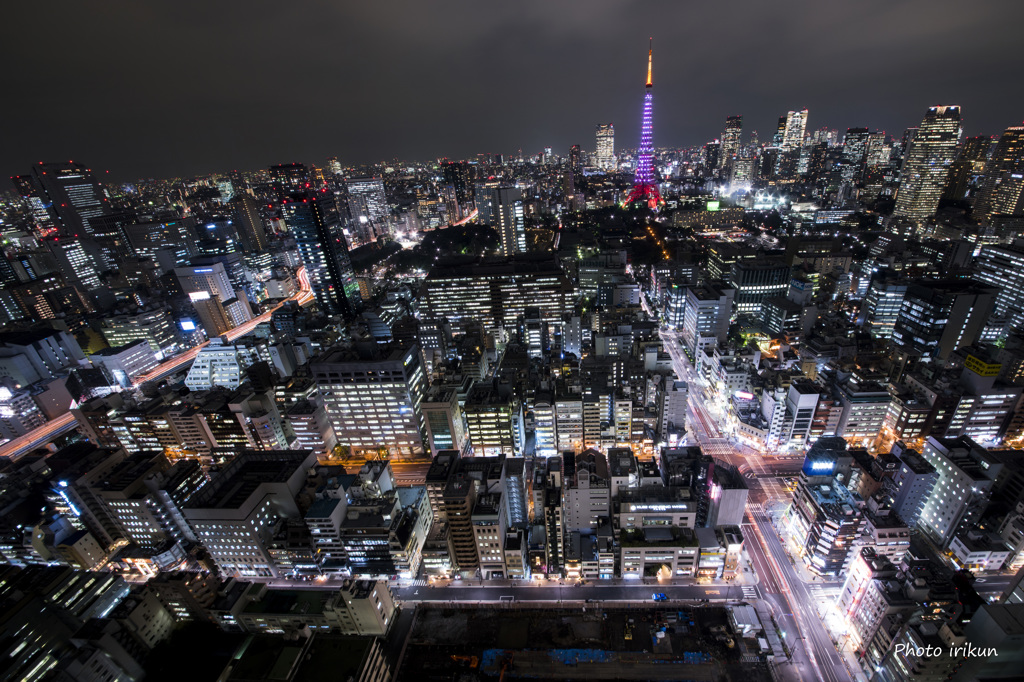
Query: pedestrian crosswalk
pixel 749 592
pixel 820 593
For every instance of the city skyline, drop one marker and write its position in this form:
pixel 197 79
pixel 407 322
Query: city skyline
pixel 221 101
pixel 715 399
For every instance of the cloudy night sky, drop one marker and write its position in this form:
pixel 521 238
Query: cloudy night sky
pixel 160 89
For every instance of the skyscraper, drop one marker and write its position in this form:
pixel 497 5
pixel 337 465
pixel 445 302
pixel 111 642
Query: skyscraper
pixel 939 316
pixel 73 262
pixel 1002 266
pixel 456 180
pixel 29 190
pixel 780 132
pixel 251 228
pixel 796 126
pixel 605 153
pixel 367 208
pixel 644 189
pixel 1001 189
pixel 372 397
pixel 855 145
pixel 926 163
pixel 288 178
pixel 212 316
pixel 508 211
pixel 968 168
pixel 576 166
pixel 731 139
pixel 324 252
pixel 70 193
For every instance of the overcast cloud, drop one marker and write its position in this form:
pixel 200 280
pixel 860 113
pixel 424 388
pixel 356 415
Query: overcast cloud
pixel 159 89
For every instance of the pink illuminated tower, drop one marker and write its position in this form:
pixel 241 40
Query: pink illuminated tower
pixel 644 189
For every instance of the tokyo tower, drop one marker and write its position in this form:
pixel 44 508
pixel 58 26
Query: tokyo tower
pixel 644 189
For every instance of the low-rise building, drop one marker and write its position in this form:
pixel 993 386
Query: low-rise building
pixel 668 552
pixel 359 607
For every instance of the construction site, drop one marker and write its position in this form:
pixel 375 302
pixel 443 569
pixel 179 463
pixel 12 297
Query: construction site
pixel 470 643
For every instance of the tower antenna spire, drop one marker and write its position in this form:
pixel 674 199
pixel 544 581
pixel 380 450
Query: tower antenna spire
pixel 645 189
pixel 650 55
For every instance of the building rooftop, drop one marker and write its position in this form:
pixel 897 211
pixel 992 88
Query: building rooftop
pixel 621 462
pixel 659 537
pixel 294 602
pixel 244 474
pixel 323 508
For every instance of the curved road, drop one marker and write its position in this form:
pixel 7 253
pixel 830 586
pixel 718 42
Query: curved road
pixel 17 447
pixel 303 296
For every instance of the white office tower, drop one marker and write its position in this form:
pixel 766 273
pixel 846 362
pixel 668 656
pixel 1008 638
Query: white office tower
pixel 511 221
pixel 796 126
pixel 223 364
pixel 672 411
pixel 961 493
pixel 605 155
pixel 237 514
pixel 213 279
pixel 373 398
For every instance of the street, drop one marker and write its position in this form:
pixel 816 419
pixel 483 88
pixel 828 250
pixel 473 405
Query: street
pixel 548 591
pixel 813 656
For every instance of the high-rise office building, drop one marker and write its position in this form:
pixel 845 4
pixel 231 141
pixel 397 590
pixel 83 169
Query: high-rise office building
pixel 575 173
pixel 212 278
pixel 251 228
pixel 31 193
pixel 212 317
pixel 288 178
pixel 926 163
pixel 507 205
pixel 877 153
pixel 154 326
pixel 498 293
pixel 780 132
pixel 855 145
pixel 965 172
pixel 367 208
pixel 710 154
pixel 731 139
pixel 324 252
pixel 605 153
pixel 912 486
pixel 757 280
pixel 939 316
pixel 1002 266
pixel 706 313
pixel 456 179
pixel 966 474
pixel 71 194
pixel 882 305
pixel 237 513
pixel 73 262
pixel 373 397
pixel 1001 190
pixel 796 127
